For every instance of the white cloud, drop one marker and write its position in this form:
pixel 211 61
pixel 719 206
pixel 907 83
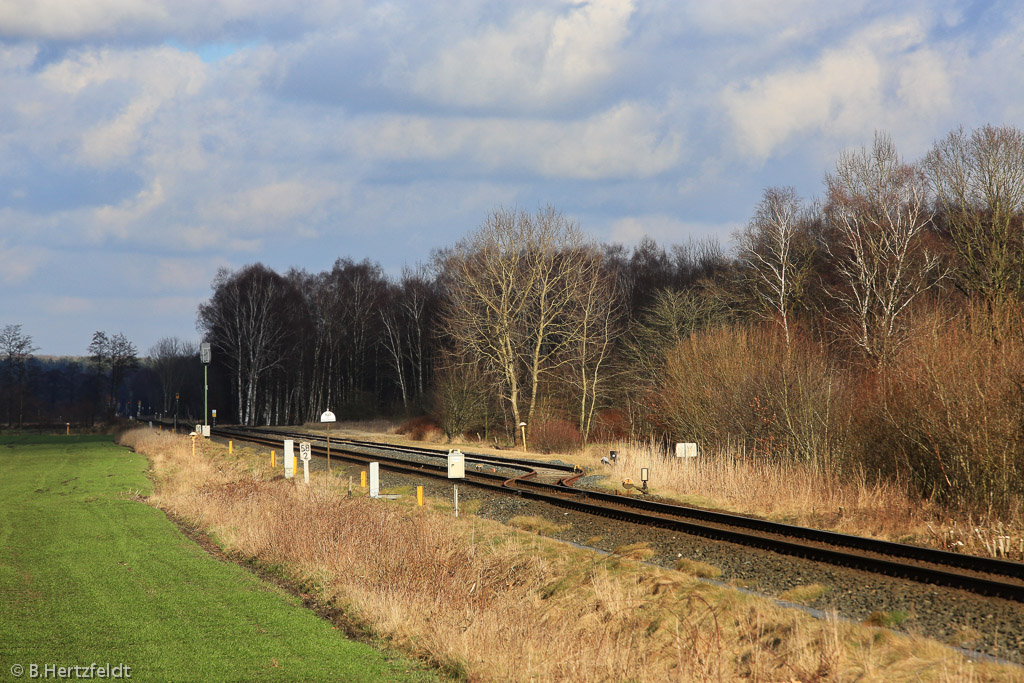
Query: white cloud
pixel 628 140
pixel 18 264
pixel 540 58
pixel 148 81
pixel 883 77
pixel 126 217
pixel 67 20
pixel 269 206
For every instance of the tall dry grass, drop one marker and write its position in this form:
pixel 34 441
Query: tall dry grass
pixel 486 602
pixel 810 495
pixel 797 492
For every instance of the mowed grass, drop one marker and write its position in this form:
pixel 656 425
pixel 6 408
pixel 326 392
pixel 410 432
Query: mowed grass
pixel 87 574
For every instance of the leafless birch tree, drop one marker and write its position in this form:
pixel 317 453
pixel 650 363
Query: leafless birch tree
pixel 770 254
pixel 242 319
pixel 878 216
pixel 978 180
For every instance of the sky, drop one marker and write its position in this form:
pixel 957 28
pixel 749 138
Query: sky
pixel 146 143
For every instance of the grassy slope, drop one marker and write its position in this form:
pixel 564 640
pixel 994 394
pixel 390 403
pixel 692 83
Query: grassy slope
pixel 87 574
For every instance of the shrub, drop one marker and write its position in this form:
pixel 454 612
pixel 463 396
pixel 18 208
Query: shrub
pixel 610 424
pixel 423 428
pixel 954 400
pixel 555 435
pixel 743 383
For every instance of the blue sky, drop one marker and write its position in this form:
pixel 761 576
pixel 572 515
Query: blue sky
pixel 145 143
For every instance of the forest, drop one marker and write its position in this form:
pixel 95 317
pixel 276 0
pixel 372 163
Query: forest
pixel 878 329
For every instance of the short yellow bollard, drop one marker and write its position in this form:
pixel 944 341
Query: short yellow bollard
pixel 295 464
pixel 362 479
pixel 231 447
pixel 273 459
pixel 419 496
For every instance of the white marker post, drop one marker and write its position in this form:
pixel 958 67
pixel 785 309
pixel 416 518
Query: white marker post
pixel 289 458
pixel 456 470
pixel 374 479
pixel 304 455
pixel 328 417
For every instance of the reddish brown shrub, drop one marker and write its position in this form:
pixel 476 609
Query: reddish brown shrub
pixel 954 400
pixel 423 428
pixel 554 436
pixel 610 424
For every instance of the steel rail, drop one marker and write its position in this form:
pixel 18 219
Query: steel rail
pixel 678 517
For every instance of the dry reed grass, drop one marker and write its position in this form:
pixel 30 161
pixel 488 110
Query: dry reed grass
pixel 801 493
pixel 486 602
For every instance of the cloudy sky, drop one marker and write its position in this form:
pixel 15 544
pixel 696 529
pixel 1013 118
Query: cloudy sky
pixel 145 143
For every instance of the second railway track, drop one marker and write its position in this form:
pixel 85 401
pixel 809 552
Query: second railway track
pixel 986 576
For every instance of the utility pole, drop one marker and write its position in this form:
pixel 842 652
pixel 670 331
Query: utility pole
pixel 204 356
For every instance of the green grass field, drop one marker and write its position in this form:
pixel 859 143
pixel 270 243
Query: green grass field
pixel 89 575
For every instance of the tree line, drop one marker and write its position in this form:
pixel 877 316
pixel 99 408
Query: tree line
pixel 108 381
pixel 818 337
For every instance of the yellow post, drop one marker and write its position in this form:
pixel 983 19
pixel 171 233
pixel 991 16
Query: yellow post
pixel 362 479
pixel 273 459
pixel 231 447
pixel 419 495
pixel 295 464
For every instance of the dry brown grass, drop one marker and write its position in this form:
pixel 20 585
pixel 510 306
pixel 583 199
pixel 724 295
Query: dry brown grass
pixel 800 493
pixel 487 602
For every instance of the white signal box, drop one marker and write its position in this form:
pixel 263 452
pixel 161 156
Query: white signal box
pixel 686 450
pixel 456 465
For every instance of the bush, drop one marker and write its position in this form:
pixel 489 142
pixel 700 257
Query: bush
pixel 423 428
pixel 555 435
pixel 742 383
pixel 610 424
pixel 953 401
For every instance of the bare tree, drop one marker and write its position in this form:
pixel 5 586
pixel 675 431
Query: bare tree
pixel 596 310
pixel 979 182
pixel 114 357
pixel 508 290
pixel 170 358
pixel 16 348
pixel 405 330
pixel 877 215
pixel 243 320
pixel 771 256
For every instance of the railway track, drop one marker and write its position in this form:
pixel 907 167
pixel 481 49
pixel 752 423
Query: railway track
pixel 985 576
